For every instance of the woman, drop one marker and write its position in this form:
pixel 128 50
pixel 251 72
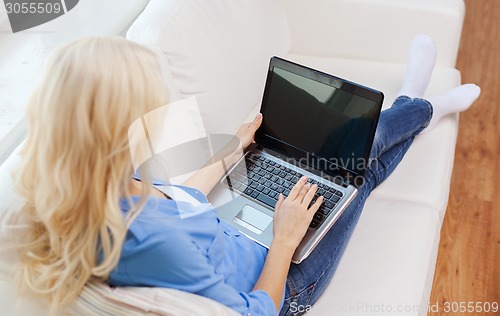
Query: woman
pixel 91 219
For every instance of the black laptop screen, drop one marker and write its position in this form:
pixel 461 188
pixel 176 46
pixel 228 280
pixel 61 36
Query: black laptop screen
pixel 319 117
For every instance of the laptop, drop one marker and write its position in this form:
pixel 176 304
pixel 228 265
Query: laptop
pixel 314 124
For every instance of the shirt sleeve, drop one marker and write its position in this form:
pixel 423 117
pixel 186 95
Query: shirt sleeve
pixel 176 262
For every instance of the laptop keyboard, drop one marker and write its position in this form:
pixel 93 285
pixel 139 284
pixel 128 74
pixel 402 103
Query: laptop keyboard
pixel 266 179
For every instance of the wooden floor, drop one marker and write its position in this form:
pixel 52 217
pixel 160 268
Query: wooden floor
pixel 468 266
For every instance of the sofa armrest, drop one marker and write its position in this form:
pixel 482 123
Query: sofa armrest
pixel 377 30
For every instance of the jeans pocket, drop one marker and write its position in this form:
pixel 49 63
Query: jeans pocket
pixel 298 304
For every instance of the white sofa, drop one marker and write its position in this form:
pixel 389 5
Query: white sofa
pixel 219 50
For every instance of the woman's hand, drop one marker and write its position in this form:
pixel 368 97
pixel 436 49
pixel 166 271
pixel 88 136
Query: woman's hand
pixel 247 131
pixel 292 215
pixel 208 176
pixel 291 219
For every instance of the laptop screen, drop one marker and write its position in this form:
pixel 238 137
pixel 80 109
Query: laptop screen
pixel 326 120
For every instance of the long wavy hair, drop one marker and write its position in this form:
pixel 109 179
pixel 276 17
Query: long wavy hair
pixel 77 165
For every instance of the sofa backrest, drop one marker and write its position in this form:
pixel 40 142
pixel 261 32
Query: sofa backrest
pixel 217 51
pixel 10 229
pixel 10 204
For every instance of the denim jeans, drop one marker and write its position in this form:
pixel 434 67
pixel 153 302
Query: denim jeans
pixel 397 127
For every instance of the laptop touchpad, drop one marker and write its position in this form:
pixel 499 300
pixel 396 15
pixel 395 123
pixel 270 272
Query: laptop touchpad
pixel 253 219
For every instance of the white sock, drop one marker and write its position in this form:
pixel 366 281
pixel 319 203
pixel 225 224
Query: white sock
pixel 456 100
pixel 421 60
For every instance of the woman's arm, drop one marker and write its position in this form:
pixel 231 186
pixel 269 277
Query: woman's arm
pixel 273 276
pixel 291 220
pixel 206 178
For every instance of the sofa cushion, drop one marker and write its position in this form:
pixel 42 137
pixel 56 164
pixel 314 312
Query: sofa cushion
pixel 217 51
pixel 13 305
pixel 374 29
pixel 389 261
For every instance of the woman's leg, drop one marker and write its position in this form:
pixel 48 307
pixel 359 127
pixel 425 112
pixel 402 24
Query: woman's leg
pixel 409 117
pixel 406 118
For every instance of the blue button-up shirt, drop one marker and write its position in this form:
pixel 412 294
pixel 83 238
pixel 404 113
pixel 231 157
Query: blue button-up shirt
pixel 197 253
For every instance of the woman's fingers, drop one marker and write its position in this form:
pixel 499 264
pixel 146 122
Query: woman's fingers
pixel 247 131
pixel 302 193
pixel 297 188
pixel 255 124
pixel 310 195
pixel 316 205
pixel 281 198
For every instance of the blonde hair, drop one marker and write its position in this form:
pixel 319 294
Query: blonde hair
pixel 76 162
